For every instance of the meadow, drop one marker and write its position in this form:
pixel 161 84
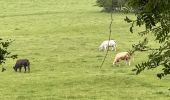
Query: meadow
pixel 61 39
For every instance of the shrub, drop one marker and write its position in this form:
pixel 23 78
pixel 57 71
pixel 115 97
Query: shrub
pixel 111 5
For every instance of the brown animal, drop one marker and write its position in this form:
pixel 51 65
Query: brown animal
pixel 122 56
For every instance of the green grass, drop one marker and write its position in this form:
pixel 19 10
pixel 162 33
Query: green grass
pixel 61 39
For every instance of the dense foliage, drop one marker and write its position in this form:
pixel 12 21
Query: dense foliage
pixel 4 53
pixel 110 5
pixel 155 16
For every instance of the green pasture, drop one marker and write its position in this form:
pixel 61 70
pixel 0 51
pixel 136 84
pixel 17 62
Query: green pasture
pixel 61 39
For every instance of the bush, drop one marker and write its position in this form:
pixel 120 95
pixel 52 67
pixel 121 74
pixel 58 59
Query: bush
pixel 108 7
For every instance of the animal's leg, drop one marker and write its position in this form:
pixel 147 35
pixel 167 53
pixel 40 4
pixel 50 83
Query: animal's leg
pixel 113 63
pixel 115 47
pixel 25 69
pixel 129 62
pixel 28 68
pixel 20 69
pixel 105 48
pixel 112 48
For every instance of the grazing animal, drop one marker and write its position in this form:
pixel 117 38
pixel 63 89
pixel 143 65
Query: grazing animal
pixel 105 44
pixel 22 63
pixel 122 56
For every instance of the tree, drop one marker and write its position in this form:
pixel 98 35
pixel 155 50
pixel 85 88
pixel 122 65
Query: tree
pixel 155 16
pixel 110 5
pixel 4 53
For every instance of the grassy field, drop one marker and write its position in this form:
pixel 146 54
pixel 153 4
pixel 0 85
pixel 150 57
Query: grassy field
pixel 61 39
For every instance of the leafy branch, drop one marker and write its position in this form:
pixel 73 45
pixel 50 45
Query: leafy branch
pixel 155 16
pixel 4 53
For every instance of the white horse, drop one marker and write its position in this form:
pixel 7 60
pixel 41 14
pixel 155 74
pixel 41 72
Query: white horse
pixel 105 44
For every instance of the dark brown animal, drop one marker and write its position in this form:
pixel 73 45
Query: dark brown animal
pixel 22 63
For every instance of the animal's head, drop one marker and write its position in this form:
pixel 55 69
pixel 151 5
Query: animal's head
pixel 101 47
pixel 14 68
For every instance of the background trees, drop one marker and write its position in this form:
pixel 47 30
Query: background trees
pixel 107 4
